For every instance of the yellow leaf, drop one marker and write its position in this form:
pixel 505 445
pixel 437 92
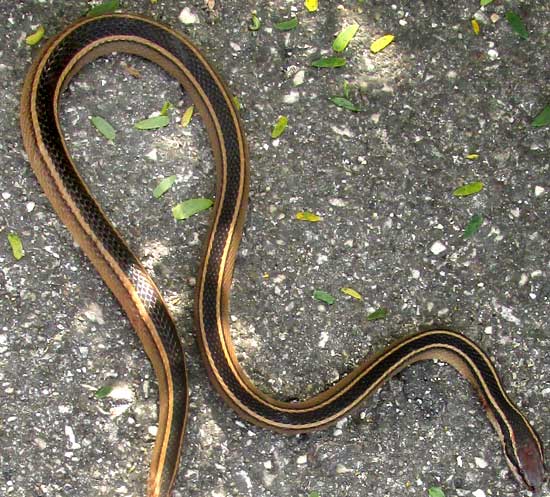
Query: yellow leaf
pixel 187 115
pixel 475 26
pixel 35 38
pixel 381 43
pixel 352 293
pixel 311 5
pixel 472 156
pixel 237 102
pixel 307 216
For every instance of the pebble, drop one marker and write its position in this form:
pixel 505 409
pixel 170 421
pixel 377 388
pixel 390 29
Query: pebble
pixel 437 248
pixel 302 459
pixel 188 17
pixel 299 78
pixel 480 462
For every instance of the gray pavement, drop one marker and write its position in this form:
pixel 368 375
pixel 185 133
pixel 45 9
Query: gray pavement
pixel 382 179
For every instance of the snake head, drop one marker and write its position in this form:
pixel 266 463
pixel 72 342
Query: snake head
pixel 530 468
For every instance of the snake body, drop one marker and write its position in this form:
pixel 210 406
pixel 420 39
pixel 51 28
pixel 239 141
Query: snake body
pixel 58 62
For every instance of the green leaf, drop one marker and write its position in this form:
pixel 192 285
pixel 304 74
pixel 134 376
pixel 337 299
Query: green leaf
pixel 164 186
pixel 543 119
pixel 104 127
pixel 436 492
pixel 352 293
pixel 473 226
pixel 16 245
pixel 288 25
pixel 517 24
pixel 106 7
pixel 254 22
pixel 192 206
pixel 279 127
pixel 468 189
pixel 103 392
pixel 346 89
pixel 35 37
pixel 378 314
pixel 344 103
pixel 165 108
pixel 485 2
pixel 152 123
pixel 308 216
pixel 325 297
pixel 329 62
pixel 341 42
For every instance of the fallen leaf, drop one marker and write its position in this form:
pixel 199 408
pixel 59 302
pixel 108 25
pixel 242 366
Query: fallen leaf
pixel 164 186
pixel 187 115
pixel 352 293
pixel 35 37
pixel 192 206
pixel 329 62
pixel 468 189
pixel 517 25
pixel 341 41
pixel 311 5
pixel 308 216
pixel 103 8
pixel 279 127
pixel 153 123
pixel 381 43
pixel 16 246
pixel 473 226
pixel 288 25
pixel 103 127
pixel 542 119
pixel 325 297
pixel 344 103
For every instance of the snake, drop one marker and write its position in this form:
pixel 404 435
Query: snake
pixel 57 63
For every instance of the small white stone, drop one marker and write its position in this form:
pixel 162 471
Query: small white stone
pixel 341 469
pixel 267 465
pixel 299 78
pixel 337 202
pixel 480 462
pixel 323 340
pixel 302 459
pixel 478 493
pixel 523 279
pixel 459 461
pixel 492 54
pixel 291 98
pixel 415 273
pixel 188 17
pixel 437 248
pixel 117 411
pixel 152 155
pixel 30 206
pixel 539 190
pixel 6 195
pixel 488 330
pixel 152 430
